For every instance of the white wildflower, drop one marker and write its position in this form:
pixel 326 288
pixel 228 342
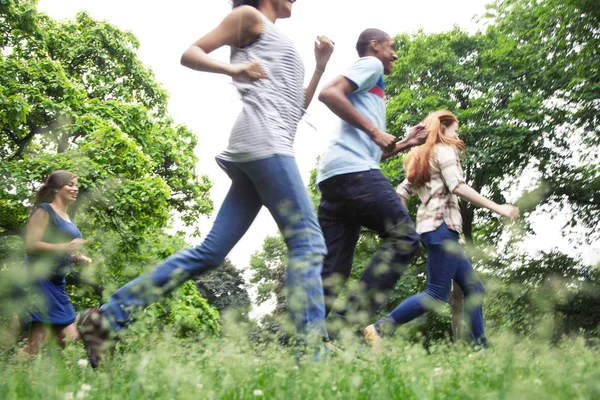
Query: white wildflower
pixel 437 371
pixel 69 396
pixel 334 388
pixel 85 387
pixel 257 393
pixel 80 395
pixel 82 364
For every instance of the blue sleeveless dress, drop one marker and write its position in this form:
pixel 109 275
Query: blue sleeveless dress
pixel 52 305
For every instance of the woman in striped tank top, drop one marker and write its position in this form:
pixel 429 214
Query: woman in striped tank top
pixel 268 72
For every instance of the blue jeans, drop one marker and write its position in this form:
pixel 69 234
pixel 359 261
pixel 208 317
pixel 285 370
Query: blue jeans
pixel 274 182
pixel 446 261
pixel 349 202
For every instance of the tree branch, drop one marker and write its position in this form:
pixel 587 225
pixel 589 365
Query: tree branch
pixel 22 143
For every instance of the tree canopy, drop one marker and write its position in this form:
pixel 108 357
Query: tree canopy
pixel 74 95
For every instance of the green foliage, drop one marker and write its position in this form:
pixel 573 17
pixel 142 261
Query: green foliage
pixel 233 368
pixel 74 95
pixel 186 311
pixel 224 288
pixel 268 272
pixel 525 91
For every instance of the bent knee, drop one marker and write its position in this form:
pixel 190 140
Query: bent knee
pixel 304 244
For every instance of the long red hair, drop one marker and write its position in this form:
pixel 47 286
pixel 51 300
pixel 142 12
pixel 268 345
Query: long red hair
pixel 417 162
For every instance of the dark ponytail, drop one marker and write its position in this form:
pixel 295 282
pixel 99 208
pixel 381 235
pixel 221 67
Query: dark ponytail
pixel 252 3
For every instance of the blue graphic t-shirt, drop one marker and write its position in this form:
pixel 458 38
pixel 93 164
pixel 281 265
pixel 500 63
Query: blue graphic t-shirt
pixel 351 149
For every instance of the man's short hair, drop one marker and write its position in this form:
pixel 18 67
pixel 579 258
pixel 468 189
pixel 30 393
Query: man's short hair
pixel 362 45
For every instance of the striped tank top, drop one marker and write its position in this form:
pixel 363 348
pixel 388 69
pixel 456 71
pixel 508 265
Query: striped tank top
pixel 272 107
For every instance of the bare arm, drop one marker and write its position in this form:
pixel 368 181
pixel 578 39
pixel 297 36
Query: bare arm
pixel 242 26
pixel 35 233
pixel 334 95
pixel 454 180
pixel 36 227
pixel 469 194
pixel 309 91
pixel 323 49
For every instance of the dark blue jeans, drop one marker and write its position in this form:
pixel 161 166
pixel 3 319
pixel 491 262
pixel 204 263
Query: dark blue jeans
pixel 349 202
pixel 274 182
pixel 446 261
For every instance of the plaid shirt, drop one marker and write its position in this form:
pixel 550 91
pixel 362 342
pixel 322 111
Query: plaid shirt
pixel 439 204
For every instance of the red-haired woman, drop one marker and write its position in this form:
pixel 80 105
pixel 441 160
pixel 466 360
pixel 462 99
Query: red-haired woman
pixel 52 238
pixel 433 172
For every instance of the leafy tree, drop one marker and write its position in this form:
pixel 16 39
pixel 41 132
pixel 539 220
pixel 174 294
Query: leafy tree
pixel 74 95
pixel 525 91
pixel 520 90
pixel 268 267
pixel 225 287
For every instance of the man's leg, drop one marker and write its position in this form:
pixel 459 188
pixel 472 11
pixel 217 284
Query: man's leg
pixel 377 206
pixel 341 235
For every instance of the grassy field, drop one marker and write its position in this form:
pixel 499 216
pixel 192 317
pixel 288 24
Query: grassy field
pixel 231 367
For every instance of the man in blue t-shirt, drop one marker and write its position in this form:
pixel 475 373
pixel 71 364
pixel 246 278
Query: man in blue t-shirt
pixel 354 192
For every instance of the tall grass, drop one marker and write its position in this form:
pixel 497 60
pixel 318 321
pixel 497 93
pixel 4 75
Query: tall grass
pixel 232 367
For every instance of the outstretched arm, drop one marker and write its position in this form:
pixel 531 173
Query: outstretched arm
pixel 469 194
pixel 452 176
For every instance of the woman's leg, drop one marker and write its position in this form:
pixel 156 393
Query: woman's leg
pixel 442 263
pixel 65 333
pixel 440 270
pixel 237 213
pixel 474 291
pixel 37 336
pixel 281 189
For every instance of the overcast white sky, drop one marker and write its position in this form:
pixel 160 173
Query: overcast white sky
pixel 208 103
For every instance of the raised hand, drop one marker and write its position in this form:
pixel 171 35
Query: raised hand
pixel 417 135
pixel 250 71
pixel 323 49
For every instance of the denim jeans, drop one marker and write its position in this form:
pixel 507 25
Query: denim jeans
pixel 446 261
pixel 349 202
pixel 274 182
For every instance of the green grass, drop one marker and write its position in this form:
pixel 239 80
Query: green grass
pixel 231 368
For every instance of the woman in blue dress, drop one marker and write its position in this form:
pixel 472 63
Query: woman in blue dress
pixel 52 238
